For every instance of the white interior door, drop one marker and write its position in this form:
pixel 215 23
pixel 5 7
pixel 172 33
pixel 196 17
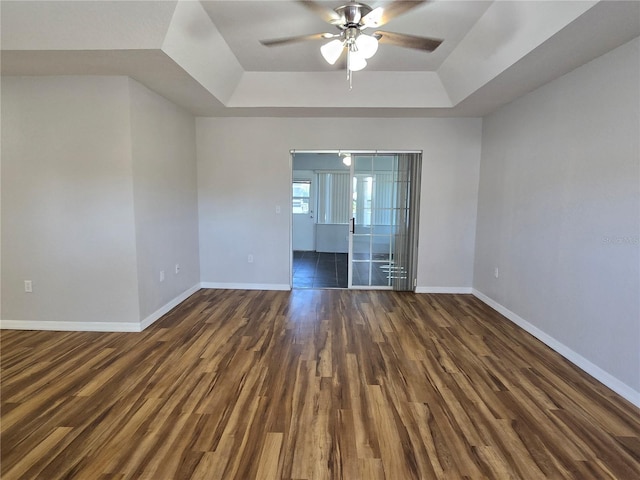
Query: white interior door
pixel 304 222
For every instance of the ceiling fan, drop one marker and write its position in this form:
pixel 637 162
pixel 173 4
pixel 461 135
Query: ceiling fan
pixel 351 20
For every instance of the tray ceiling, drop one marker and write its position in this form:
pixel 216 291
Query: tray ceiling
pixel 207 56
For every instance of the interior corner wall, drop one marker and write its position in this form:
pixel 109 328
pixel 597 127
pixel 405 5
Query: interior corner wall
pixel 244 173
pixel 67 221
pixel 559 214
pixel 165 198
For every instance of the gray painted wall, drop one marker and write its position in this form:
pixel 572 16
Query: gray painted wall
pixel 165 197
pixel 67 194
pixel 98 195
pixel 559 211
pixel 244 172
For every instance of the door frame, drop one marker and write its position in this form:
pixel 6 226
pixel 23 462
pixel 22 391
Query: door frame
pixel 354 152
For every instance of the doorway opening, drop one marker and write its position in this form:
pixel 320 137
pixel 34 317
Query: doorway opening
pixel 354 219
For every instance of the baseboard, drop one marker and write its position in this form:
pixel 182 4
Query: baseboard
pixel 443 290
pixel 97 326
pixel 168 307
pixel 246 286
pixel 578 360
pixel 70 326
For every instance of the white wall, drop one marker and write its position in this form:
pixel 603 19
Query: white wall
pixel 165 198
pixel 244 172
pixel 67 221
pixel 559 214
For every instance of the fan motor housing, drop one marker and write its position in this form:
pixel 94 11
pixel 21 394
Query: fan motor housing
pixel 351 14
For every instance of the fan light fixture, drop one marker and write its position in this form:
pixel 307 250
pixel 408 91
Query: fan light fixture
pixel 351 19
pixel 359 46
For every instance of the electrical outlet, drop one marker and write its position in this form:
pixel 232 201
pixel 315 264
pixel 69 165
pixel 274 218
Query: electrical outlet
pixel 28 286
pixel 278 209
pixel 496 272
pixel 162 275
pixel 177 268
pixel 250 258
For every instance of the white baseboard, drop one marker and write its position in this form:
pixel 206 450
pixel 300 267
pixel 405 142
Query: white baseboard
pixel 97 326
pixel 443 290
pixel 245 286
pixel 166 308
pixel 578 360
pixel 69 326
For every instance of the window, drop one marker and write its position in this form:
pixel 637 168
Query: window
pixel 333 197
pixel 301 193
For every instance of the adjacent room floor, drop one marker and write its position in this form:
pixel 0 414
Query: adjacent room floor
pixel 331 270
pixel 320 270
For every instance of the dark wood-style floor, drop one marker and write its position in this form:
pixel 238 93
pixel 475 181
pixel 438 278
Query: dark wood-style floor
pixel 309 384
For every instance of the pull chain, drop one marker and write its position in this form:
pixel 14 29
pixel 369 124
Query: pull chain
pixel 349 72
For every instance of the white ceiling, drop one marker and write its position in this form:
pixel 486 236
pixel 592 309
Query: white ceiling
pixel 206 56
pixel 244 23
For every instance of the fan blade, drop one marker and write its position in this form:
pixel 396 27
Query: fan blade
pixel 325 13
pixel 409 41
pixel 379 16
pixel 300 38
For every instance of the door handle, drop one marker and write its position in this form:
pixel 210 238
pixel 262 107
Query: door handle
pixel 352 226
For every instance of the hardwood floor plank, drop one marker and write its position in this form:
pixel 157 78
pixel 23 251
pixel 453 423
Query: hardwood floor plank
pixel 395 457
pixel 269 461
pixel 308 384
pixel 366 446
pixel 32 463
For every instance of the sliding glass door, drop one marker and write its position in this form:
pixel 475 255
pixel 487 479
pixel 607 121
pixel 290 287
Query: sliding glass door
pixel 365 216
pixel 383 230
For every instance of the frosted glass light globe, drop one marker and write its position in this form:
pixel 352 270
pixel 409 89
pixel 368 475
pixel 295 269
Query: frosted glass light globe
pixel 331 51
pixel 367 45
pixel 355 61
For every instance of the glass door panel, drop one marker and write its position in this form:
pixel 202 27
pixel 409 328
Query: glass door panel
pixel 373 226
